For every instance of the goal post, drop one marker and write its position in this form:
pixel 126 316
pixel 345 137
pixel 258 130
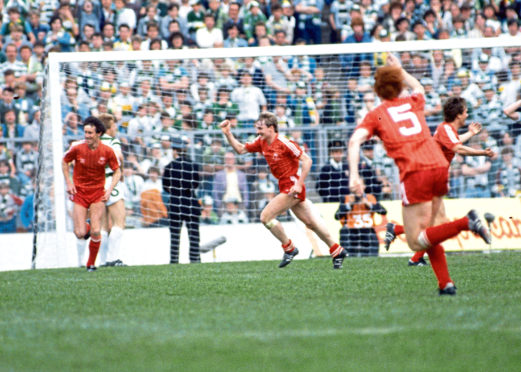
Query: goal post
pixel 53 235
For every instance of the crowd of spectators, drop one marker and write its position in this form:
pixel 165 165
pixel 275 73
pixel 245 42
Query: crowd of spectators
pixel 154 100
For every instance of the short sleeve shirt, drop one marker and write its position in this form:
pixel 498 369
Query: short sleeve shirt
pixel 400 124
pixel 89 165
pixel 282 155
pixel 447 137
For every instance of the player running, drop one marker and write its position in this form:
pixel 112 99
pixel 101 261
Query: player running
pixel 87 188
pixel 399 122
pixel 446 135
pixel 283 157
pixel 114 216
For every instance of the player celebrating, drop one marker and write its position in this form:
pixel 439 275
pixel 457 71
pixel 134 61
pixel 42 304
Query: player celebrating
pixel 399 121
pixel 87 188
pixel 115 206
pixel 446 135
pixel 283 157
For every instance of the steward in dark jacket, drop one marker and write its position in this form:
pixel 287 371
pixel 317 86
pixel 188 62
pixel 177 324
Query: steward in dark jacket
pixel 180 181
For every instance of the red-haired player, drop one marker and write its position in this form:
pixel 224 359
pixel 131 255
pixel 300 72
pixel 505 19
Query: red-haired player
pixel 399 122
pixel 446 135
pixel 87 188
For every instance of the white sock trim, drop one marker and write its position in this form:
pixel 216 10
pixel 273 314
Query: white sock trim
pixel 423 240
pixel 114 243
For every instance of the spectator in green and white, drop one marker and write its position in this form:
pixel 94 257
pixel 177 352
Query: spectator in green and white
pixel 216 9
pixel 260 33
pixel 490 111
pixel 339 18
pixel 222 107
pixel 195 18
pixel 167 102
pixel 26 162
pixel 11 63
pixel 251 17
pixel 488 61
pixel 508 178
pixel 309 14
pixel 277 21
pixel 34 76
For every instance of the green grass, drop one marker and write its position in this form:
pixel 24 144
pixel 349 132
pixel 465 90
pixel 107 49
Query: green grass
pixel 375 314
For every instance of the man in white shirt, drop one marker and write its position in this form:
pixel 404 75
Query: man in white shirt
pixel 124 15
pixel 209 36
pixel 249 98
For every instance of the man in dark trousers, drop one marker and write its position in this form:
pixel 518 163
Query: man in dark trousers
pixel 333 182
pixel 180 181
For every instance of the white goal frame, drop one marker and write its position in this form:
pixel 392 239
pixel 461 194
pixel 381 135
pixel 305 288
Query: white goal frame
pixel 55 60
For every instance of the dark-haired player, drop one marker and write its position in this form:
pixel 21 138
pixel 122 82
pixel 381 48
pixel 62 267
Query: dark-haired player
pixel 87 188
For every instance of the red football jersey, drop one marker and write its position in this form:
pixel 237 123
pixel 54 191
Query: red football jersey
pixel 447 137
pixel 400 124
pixel 282 155
pixel 89 165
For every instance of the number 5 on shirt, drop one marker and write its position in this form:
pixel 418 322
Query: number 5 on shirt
pixel 403 113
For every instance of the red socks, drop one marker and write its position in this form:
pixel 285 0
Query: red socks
pixel 417 255
pixel 288 248
pixel 440 233
pixel 439 264
pixel 398 230
pixel 93 251
pixel 335 250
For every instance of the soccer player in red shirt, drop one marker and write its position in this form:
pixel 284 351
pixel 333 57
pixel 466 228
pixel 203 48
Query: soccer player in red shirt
pixel 455 114
pixel 87 188
pixel 284 157
pixel 399 121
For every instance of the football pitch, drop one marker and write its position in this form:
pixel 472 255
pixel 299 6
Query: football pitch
pixel 376 314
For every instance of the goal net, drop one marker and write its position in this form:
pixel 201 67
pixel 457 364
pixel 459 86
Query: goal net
pixel 319 93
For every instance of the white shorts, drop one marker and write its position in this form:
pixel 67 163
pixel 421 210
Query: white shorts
pixel 118 192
